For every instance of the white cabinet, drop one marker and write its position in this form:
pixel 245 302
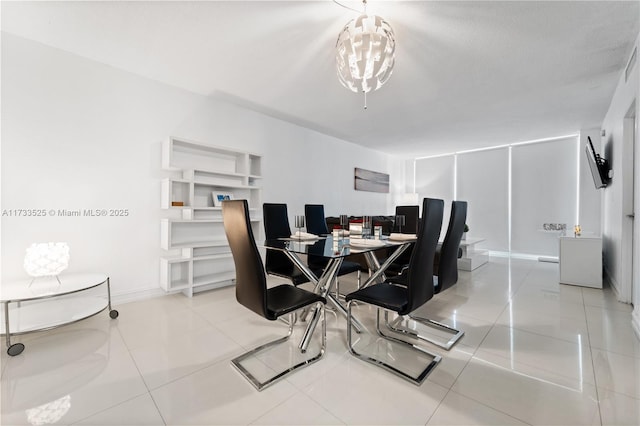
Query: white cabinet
pixel 197 254
pixel 581 261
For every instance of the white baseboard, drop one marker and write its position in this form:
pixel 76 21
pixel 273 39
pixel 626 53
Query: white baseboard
pixel 132 296
pixel 514 255
pixel 614 284
pixel 608 278
pixel 635 321
pixel 498 253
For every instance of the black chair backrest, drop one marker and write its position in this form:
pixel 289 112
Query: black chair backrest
pixel 315 220
pixel 276 225
pixel 420 273
pixel 276 221
pixel 448 267
pixel 411 218
pixel 251 282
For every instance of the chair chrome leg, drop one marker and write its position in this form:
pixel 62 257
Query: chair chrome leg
pixel 415 380
pixel 291 317
pixel 341 296
pixel 237 362
pixel 396 327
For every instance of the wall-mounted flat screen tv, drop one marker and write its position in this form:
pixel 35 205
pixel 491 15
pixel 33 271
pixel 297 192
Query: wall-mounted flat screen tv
pixel 598 165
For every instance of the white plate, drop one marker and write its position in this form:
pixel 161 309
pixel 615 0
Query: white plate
pixel 402 237
pixel 358 242
pixel 304 236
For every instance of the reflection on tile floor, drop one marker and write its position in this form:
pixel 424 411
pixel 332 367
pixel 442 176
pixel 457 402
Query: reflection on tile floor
pixel 535 352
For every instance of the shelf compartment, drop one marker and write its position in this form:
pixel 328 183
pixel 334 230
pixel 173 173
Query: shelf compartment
pixel 184 154
pixel 198 244
pixel 255 165
pixel 175 190
pixel 215 178
pixel 208 214
pixel 201 252
pixel 253 181
pixel 223 186
pixel 203 196
pixel 174 273
pixel 214 279
pixel 191 233
pixel 213 269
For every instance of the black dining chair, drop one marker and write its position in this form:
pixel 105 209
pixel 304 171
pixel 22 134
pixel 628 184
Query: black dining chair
pixel 405 299
pixel 445 275
pixel 317 224
pixel 252 292
pixel 276 225
pixel 315 219
pixel 412 218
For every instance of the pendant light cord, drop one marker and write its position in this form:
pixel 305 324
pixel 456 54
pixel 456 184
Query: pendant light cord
pixel 350 8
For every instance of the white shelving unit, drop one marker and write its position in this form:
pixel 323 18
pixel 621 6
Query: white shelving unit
pixel 197 255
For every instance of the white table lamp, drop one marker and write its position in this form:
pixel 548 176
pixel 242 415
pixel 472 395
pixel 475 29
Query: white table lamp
pixel 46 259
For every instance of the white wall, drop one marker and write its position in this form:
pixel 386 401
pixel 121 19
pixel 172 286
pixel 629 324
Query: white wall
pixel 77 134
pixel 616 204
pixel 435 178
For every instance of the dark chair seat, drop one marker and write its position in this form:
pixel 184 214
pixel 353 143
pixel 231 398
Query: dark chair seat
pixel 399 279
pixel 346 267
pixel 386 296
pixel 285 298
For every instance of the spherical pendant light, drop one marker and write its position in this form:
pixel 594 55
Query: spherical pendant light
pixel 365 53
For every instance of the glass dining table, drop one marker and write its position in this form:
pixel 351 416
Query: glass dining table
pixel 335 250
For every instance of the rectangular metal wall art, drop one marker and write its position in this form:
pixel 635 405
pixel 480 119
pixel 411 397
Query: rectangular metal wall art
pixel 366 180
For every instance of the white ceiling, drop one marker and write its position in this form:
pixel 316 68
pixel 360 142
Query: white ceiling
pixel 467 75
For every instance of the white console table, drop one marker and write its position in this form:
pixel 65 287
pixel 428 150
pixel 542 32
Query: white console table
pixel 581 261
pixel 471 257
pixel 45 303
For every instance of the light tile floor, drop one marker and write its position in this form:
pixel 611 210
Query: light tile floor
pixel 534 352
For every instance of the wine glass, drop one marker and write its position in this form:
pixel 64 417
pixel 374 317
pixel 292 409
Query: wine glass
pixel 366 226
pixel 299 224
pixel 344 221
pixel 400 221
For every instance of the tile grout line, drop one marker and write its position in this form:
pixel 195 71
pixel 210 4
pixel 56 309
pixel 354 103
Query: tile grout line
pixel 146 385
pixel 593 367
